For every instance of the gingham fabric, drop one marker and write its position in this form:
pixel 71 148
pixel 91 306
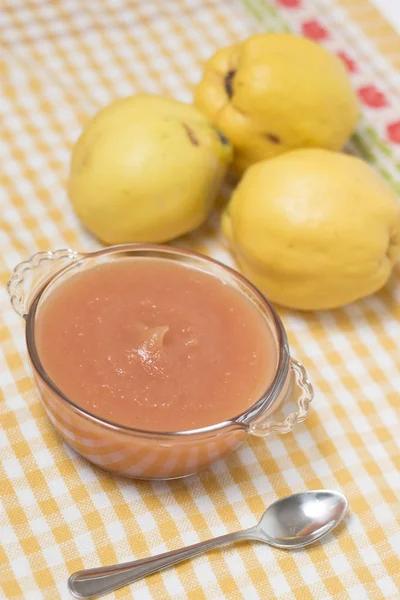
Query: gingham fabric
pixel 60 61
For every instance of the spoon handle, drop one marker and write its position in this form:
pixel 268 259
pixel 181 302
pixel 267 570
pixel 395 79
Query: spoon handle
pixel 90 583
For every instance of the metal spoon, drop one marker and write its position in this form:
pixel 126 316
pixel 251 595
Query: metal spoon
pixel 292 522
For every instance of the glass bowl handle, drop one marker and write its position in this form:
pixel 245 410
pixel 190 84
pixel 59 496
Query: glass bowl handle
pixel 31 274
pixel 302 391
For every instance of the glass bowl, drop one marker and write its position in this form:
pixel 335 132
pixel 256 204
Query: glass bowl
pixel 145 454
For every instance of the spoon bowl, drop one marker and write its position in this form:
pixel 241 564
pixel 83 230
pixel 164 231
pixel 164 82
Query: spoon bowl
pixel 301 519
pixel 293 522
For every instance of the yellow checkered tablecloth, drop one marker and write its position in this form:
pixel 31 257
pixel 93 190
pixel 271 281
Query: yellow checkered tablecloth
pixel 60 61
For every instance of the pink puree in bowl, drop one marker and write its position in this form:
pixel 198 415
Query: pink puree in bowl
pixel 155 345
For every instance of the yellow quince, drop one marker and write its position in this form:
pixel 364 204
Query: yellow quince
pixel 314 229
pixel 277 92
pixel 147 169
